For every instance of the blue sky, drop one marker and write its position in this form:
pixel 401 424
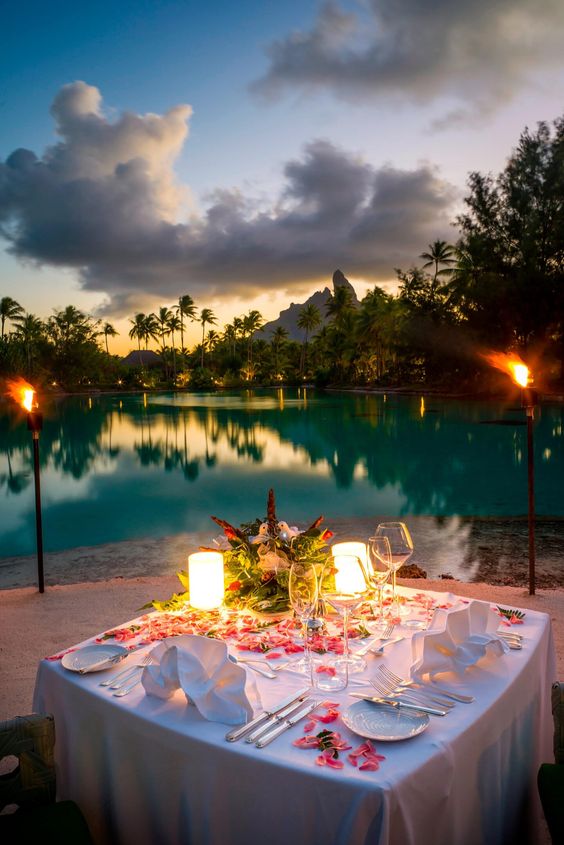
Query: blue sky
pixel 304 116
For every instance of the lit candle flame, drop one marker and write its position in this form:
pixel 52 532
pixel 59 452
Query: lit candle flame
pixel 511 364
pixel 22 392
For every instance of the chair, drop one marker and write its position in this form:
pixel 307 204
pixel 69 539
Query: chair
pixel 31 786
pixel 551 775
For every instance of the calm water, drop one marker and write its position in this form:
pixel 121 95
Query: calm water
pixel 147 466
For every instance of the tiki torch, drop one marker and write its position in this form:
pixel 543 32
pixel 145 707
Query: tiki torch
pixel 23 393
pixel 521 376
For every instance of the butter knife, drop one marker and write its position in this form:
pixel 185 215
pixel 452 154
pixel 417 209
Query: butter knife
pixel 108 661
pixel 403 705
pixel 286 724
pixel 276 719
pixel 243 730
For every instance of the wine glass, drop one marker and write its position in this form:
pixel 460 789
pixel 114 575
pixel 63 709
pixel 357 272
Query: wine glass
pixel 303 594
pixel 378 570
pixel 344 587
pixel 401 549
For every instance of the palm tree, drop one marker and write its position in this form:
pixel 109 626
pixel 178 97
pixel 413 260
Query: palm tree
pixel 186 308
pixel 279 335
pixel 339 305
pixel 212 340
pixel 230 337
pixel 439 253
pixel 206 317
pixel 71 326
pixel 9 310
pixel 150 329
pixel 139 330
pixel 30 331
pixel 308 320
pixel 173 324
pixel 252 322
pixel 108 331
pixel 163 319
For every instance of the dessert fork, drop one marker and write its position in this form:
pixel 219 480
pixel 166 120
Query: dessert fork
pixel 118 680
pixel 408 682
pixel 382 683
pixel 385 635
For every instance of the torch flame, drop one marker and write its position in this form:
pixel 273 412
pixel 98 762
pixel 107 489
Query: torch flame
pixel 22 393
pixel 511 364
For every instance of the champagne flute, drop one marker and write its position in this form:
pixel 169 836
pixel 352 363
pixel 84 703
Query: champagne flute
pixel 303 594
pixel 401 549
pixel 344 587
pixel 378 570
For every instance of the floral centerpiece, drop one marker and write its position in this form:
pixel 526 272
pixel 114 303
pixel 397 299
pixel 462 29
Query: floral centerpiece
pixel 258 557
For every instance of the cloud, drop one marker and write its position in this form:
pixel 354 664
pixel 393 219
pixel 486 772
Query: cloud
pixel 105 201
pixel 476 52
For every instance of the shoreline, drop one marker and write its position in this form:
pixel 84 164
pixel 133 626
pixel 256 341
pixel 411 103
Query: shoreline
pixel 34 626
pixel 490 550
pixel 544 397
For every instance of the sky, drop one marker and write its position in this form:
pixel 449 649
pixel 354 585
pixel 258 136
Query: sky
pixel 241 152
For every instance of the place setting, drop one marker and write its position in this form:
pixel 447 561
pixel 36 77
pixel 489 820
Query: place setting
pixel 342 621
pixel 328 601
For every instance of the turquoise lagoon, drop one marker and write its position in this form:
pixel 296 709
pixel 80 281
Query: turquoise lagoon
pixel 149 465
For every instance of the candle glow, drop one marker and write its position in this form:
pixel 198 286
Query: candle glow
pixel 349 577
pixel 205 572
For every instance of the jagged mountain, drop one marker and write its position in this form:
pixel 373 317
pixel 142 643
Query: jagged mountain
pixel 288 318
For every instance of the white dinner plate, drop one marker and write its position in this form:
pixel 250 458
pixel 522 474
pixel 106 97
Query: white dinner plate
pixel 93 658
pixel 386 724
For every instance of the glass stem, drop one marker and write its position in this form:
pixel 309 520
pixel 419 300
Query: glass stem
pixel 346 643
pixel 394 597
pixel 307 655
pixel 346 634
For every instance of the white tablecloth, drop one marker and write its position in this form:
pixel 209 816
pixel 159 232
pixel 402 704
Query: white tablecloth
pixel 149 771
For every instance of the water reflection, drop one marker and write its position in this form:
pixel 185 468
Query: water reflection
pixel 119 467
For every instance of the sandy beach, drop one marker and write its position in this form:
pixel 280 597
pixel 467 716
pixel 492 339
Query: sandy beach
pixel 33 626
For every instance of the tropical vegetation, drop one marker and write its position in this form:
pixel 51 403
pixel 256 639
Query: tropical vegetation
pixel 500 285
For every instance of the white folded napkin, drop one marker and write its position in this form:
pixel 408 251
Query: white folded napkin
pixel 458 640
pixel 202 668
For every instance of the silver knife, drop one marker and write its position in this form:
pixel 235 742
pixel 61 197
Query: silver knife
pixel 394 702
pixel 286 724
pixel 109 661
pixel 275 719
pixel 243 730
pixel 456 696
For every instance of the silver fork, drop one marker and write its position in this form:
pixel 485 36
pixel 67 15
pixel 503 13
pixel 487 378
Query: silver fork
pixel 118 680
pixel 385 635
pixel 414 695
pixel 408 682
pixel 389 691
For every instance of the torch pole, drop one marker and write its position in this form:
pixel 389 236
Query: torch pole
pixel 529 398
pixel 531 484
pixel 35 424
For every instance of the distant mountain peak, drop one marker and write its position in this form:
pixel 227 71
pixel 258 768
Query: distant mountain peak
pixel 288 318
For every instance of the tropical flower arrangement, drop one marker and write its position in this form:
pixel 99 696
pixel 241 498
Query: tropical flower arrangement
pixel 258 557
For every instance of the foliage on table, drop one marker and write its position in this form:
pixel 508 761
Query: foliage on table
pixel 260 555
pixel 257 562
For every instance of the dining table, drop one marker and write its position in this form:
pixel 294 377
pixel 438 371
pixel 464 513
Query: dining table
pixel 150 771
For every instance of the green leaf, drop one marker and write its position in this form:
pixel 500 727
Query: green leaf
pixel 508 613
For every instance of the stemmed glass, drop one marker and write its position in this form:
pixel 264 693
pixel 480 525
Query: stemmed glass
pixel 303 593
pixel 344 587
pixel 401 549
pixel 379 564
